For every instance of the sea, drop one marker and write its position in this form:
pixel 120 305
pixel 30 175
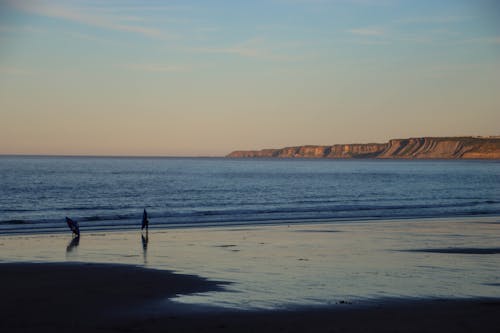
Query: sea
pixel 279 233
pixel 110 193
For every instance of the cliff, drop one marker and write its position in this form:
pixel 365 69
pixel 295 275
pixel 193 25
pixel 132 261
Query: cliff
pixel 412 148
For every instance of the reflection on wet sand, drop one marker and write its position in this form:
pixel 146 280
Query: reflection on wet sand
pixel 73 244
pixel 304 264
pixel 145 241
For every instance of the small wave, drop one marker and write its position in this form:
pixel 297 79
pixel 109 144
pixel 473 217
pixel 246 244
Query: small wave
pixel 16 210
pixel 284 210
pixel 239 214
pixel 98 207
pixel 92 218
pixel 14 222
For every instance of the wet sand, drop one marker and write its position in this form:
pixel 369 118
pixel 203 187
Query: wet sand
pixel 460 250
pixel 43 297
pixel 401 316
pixel 289 266
pixel 74 297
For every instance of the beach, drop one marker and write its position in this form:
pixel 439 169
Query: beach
pixel 249 166
pixel 401 275
pixel 52 296
pixel 121 298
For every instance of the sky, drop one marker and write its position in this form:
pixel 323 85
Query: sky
pixel 204 78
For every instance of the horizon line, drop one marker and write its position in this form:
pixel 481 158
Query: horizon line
pixel 108 156
pixel 237 150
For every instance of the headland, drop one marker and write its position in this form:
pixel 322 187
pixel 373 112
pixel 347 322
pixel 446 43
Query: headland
pixel 411 148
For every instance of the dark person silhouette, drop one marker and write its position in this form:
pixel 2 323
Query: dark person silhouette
pixel 145 221
pixel 73 226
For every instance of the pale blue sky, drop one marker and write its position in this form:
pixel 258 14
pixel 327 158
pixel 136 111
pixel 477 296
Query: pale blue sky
pixel 208 77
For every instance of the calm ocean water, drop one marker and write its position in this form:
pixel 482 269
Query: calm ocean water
pixel 36 193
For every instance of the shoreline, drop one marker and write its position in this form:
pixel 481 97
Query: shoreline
pixel 85 297
pixel 247 224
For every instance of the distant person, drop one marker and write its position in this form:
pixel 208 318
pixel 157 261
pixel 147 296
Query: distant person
pixel 145 221
pixel 73 226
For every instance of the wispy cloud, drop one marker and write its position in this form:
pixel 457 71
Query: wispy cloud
pixel 370 2
pixel 367 31
pixel 256 48
pixel 482 40
pixel 355 2
pixel 371 42
pixel 396 30
pixel 89 37
pixel 17 29
pixel 155 68
pixel 433 19
pixel 140 7
pixel 87 17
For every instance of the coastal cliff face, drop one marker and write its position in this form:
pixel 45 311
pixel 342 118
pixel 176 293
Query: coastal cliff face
pixel 412 148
